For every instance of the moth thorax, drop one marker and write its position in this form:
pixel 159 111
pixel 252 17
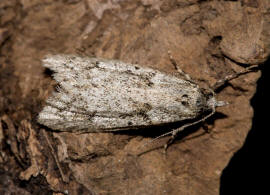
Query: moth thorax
pixel 209 101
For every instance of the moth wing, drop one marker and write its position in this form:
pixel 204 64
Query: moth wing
pixel 96 95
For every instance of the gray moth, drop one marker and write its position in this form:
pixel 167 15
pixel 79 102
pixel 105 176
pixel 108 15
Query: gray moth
pixel 98 95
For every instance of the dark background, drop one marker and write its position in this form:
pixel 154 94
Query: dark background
pixel 248 170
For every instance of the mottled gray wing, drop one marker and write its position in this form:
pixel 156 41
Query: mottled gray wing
pixel 98 95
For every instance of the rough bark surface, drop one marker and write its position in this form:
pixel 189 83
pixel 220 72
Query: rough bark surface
pixel 207 39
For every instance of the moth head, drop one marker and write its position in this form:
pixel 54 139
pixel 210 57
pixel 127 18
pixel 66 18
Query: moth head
pixel 213 103
pixel 210 100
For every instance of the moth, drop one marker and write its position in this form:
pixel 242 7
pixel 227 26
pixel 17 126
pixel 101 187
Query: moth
pixel 99 95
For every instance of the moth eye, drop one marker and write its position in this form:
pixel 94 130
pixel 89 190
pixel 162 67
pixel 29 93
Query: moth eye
pixel 129 123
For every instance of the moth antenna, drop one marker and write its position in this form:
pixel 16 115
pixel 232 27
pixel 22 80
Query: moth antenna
pixel 178 69
pixel 228 78
pixel 174 132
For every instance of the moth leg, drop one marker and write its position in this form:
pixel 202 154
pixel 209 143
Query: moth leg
pixel 206 128
pixel 223 81
pixel 171 140
pixel 179 70
pixel 174 132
